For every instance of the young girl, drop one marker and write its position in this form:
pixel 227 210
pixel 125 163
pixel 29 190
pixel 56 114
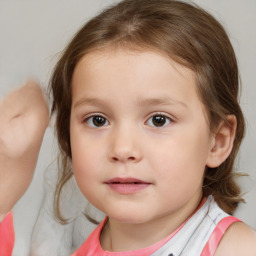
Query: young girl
pixel 148 121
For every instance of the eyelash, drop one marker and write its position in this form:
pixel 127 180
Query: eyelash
pixel 162 116
pixel 91 121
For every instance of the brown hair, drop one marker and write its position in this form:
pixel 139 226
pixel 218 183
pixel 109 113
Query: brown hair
pixel 187 34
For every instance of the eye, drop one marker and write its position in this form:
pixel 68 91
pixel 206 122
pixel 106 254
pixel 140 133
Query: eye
pixel 96 121
pixel 159 120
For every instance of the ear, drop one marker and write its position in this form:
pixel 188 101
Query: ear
pixel 222 142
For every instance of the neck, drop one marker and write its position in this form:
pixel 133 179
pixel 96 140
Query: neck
pixel 118 236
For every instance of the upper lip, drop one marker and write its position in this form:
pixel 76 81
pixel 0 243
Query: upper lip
pixel 128 180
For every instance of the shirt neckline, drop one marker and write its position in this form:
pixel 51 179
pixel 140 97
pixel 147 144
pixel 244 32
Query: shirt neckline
pixel 147 250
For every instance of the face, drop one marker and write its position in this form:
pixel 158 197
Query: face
pixel 139 135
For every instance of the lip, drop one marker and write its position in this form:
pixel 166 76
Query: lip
pixel 127 185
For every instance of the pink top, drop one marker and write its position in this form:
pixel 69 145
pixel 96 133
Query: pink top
pixel 7 235
pixel 92 247
pixel 217 234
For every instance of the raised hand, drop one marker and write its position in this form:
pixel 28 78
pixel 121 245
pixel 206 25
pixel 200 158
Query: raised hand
pixel 24 117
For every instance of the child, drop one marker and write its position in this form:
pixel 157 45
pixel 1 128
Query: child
pixel 145 97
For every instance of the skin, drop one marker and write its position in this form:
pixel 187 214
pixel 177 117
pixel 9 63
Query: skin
pixel 24 117
pixel 126 90
pixel 239 239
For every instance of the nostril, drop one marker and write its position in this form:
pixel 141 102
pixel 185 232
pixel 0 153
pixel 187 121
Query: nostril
pixel 115 159
pixel 131 158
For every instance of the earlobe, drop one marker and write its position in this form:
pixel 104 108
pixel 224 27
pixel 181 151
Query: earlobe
pixel 222 142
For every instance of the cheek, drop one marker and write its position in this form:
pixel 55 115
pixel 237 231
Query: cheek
pixel 180 162
pixel 84 167
pixel 179 177
pixel 87 165
pixel 87 157
pixel 83 157
pixel 79 150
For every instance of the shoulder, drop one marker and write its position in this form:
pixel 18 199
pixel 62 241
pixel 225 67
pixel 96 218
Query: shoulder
pixel 238 240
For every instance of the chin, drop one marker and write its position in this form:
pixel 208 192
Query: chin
pixel 128 218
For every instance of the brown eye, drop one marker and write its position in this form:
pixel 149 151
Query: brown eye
pixel 97 121
pixel 158 121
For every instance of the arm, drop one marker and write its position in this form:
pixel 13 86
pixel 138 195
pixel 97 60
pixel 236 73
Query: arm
pixel 24 117
pixel 238 240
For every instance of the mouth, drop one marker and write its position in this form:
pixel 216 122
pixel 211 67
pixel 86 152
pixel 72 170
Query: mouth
pixel 127 185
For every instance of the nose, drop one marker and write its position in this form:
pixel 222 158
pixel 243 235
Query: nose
pixel 124 146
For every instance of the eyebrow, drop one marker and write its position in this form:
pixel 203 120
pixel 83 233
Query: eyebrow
pixel 140 102
pixel 89 101
pixel 160 101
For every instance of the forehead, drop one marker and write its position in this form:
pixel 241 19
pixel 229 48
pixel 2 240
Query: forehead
pixel 110 59
pixel 138 72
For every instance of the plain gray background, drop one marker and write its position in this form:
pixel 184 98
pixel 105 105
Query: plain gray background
pixel 32 34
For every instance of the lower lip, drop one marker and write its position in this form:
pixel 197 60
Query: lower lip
pixel 125 188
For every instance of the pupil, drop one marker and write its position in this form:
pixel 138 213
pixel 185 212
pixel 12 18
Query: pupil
pixel 99 121
pixel 159 120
